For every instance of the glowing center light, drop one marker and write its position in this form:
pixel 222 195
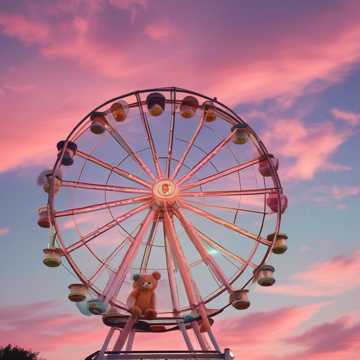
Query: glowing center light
pixel 165 191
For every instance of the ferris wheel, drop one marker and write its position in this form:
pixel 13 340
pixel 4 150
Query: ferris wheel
pixel 163 180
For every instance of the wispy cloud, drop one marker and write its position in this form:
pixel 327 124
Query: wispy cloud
pixel 349 117
pixel 328 278
pixel 328 194
pixel 4 231
pixel 69 33
pixel 24 29
pixel 306 149
pixel 338 339
pixel 41 327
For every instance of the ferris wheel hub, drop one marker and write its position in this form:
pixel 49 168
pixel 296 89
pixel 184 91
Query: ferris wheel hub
pixel 165 191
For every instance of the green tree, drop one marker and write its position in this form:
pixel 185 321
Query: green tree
pixel 11 352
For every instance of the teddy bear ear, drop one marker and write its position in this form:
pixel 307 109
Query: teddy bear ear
pixel 136 277
pixel 156 275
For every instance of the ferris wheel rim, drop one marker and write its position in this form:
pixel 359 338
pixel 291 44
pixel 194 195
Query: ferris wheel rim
pixel 77 132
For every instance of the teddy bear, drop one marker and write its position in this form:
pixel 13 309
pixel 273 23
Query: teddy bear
pixel 141 300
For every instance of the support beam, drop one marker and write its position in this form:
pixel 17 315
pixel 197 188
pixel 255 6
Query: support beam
pixel 128 258
pixel 174 293
pixel 213 340
pixel 124 333
pixel 149 137
pixel 205 256
pixel 102 206
pixel 225 223
pixel 106 344
pixel 93 234
pixel 221 174
pixel 171 133
pixel 223 250
pixel 101 187
pixel 202 342
pixel 130 341
pixel 206 158
pixel 149 244
pixel 244 192
pixel 184 269
pixel 226 208
pixel 116 170
pixel 188 148
pixel 124 144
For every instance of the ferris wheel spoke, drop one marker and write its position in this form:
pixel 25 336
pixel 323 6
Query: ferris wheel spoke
pixel 170 266
pixel 221 174
pixel 117 281
pixel 124 144
pixel 93 234
pixel 214 244
pixel 149 137
pixel 184 269
pixel 207 158
pixel 171 133
pixel 188 148
pixel 104 264
pixel 110 188
pixel 149 244
pixel 101 206
pixel 225 223
pixel 205 256
pixel 226 208
pixel 123 173
pixel 229 192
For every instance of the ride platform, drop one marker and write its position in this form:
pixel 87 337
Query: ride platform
pixel 166 355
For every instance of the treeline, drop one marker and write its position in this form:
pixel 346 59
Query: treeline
pixel 13 352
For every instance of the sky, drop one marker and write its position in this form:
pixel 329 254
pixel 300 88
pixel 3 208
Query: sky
pixel 290 69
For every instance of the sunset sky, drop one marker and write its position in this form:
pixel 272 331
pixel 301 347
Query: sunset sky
pixel 291 69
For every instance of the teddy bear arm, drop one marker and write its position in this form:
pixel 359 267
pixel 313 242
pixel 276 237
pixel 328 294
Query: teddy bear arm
pixel 131 300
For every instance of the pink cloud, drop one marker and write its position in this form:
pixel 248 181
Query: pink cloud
pixel 18 88
pixel 306 149
pixel 73 222
pixel 4 231
pixel 334 340
pixel 326 195
pixel 271 335
pixel 112 52
pixel 253 77
pixel 259 325
pixel 41 327
pixel 24 29
pixel 160 31
pixel 328 278
pixel 39 148
pixel 340 192
pixel 347 116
